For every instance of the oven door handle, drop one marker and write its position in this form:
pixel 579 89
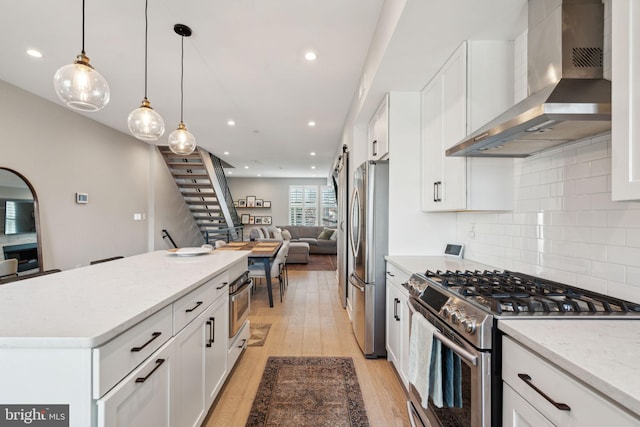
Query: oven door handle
pixel 240 292
pixel 469 357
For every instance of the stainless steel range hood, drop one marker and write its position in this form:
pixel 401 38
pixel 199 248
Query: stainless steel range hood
pixel 569 99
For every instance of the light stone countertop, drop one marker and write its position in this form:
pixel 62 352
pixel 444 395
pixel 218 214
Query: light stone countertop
pixel 604 354
pixel 88 306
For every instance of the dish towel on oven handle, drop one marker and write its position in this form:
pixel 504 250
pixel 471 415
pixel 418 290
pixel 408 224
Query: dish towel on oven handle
pixel 435 375
pixel 420 349
pixel 451 378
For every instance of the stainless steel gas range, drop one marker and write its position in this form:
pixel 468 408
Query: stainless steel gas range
pixel 465 308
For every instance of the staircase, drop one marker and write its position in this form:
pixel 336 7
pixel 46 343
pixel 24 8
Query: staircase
pixel 201 181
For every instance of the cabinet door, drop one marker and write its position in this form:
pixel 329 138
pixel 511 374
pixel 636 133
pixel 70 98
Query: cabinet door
pixel 625 124
pixel 517 412
pixel 378 131
pixel 404 331
pixel 432 156
pixel 142 399
pixel 189 406
pixel 215 350
pixel 454 129
pixel 393 326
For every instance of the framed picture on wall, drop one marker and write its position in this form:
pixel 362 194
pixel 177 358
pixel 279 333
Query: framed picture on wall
pixel 266 220
pixel 242 203
pixel 251 220
pixel 258 203
pixel 244 218
pixel 258 220
pixel 235 203
pixel 251 201
pixel 267 203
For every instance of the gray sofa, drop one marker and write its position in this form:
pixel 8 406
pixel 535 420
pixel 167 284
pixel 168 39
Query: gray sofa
pixel 309 234
pixel 302 233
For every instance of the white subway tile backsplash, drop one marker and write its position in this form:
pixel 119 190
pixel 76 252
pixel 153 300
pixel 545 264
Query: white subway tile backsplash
pixel 632 237
pixel 607 271
pixel 564 226
pixel 609 236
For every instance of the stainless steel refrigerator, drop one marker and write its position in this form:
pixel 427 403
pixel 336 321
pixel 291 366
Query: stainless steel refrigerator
pixel 369 245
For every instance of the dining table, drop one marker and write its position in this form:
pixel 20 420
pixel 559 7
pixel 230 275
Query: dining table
pixel 261 252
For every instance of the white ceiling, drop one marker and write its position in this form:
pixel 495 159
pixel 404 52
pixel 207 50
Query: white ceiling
pixel 244 62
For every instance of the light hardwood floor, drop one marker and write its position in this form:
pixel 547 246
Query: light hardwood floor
pixel 309 322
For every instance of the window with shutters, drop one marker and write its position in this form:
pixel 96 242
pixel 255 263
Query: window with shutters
pixel 310 204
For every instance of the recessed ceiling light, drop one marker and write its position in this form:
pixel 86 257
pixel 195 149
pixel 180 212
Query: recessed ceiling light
pixel 259 175
pixel 313 167
pixel 313 153
pixel 230 173
pixel 34 53
pixel 310 55
pixel 311 123
pixel 231 122
pixel 226 153
pixel 246 167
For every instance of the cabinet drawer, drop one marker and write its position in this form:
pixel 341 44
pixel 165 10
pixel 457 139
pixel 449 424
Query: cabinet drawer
pixel 195 302
pixel 143 398
pixel 396 275
pixel 584 405
pixel 238 345
pixel 114 360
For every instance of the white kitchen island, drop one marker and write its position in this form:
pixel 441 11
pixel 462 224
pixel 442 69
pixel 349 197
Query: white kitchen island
pixel 115 340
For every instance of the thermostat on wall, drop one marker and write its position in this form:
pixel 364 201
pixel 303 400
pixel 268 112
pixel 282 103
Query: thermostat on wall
pixel 454 250
pixel 82 198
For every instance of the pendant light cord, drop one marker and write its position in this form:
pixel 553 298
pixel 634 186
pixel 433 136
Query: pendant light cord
pixel 146 36
pixel 83 52
pixel 182 80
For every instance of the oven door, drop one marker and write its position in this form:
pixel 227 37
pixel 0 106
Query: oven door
pixel 475 383
pixel 239 307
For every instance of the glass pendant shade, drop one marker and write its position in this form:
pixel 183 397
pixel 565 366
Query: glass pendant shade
pixel 80 86
pixel 145 123
pixel 181 141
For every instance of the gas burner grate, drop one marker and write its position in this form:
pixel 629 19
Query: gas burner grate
pixel 511 292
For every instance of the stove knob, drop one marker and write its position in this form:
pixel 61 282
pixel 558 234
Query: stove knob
pixel 469 325
pixel 446 311
pixel 456 316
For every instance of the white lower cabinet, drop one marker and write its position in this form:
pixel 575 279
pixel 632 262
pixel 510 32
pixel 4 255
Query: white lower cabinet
pixel 397 322
pixel 517 412
pixel 215 353
pixel 143 398
pixel 200 364
pixel 537 393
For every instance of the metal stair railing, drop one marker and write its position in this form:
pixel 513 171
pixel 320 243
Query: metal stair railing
pixel 222 179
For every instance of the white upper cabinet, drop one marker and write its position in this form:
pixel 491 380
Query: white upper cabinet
pixel 625 98
pixel 474 86
pixel 378 131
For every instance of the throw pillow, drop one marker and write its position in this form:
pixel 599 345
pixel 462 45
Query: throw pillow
pixel 325 234
pixel 267 232
pixel 286 235
pixel 334 236
pixel 277 234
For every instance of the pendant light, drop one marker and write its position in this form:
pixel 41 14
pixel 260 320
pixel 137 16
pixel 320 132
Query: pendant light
pixel 79 85
pixel 181 141
pixel 145 123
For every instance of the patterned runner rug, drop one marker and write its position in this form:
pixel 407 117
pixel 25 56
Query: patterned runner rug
pixel 259 332
pixel 308 392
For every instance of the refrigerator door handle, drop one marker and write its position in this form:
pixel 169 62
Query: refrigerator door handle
pixel 355 245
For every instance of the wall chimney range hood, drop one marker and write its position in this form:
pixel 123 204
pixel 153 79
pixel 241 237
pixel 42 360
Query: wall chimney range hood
pixel 569 98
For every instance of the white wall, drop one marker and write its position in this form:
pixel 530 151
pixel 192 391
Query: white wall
pixel 276 190
pixel 62 153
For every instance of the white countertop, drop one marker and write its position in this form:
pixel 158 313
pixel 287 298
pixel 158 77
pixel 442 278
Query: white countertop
pixel 605 354
pixel 88 306
pixel 419 264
